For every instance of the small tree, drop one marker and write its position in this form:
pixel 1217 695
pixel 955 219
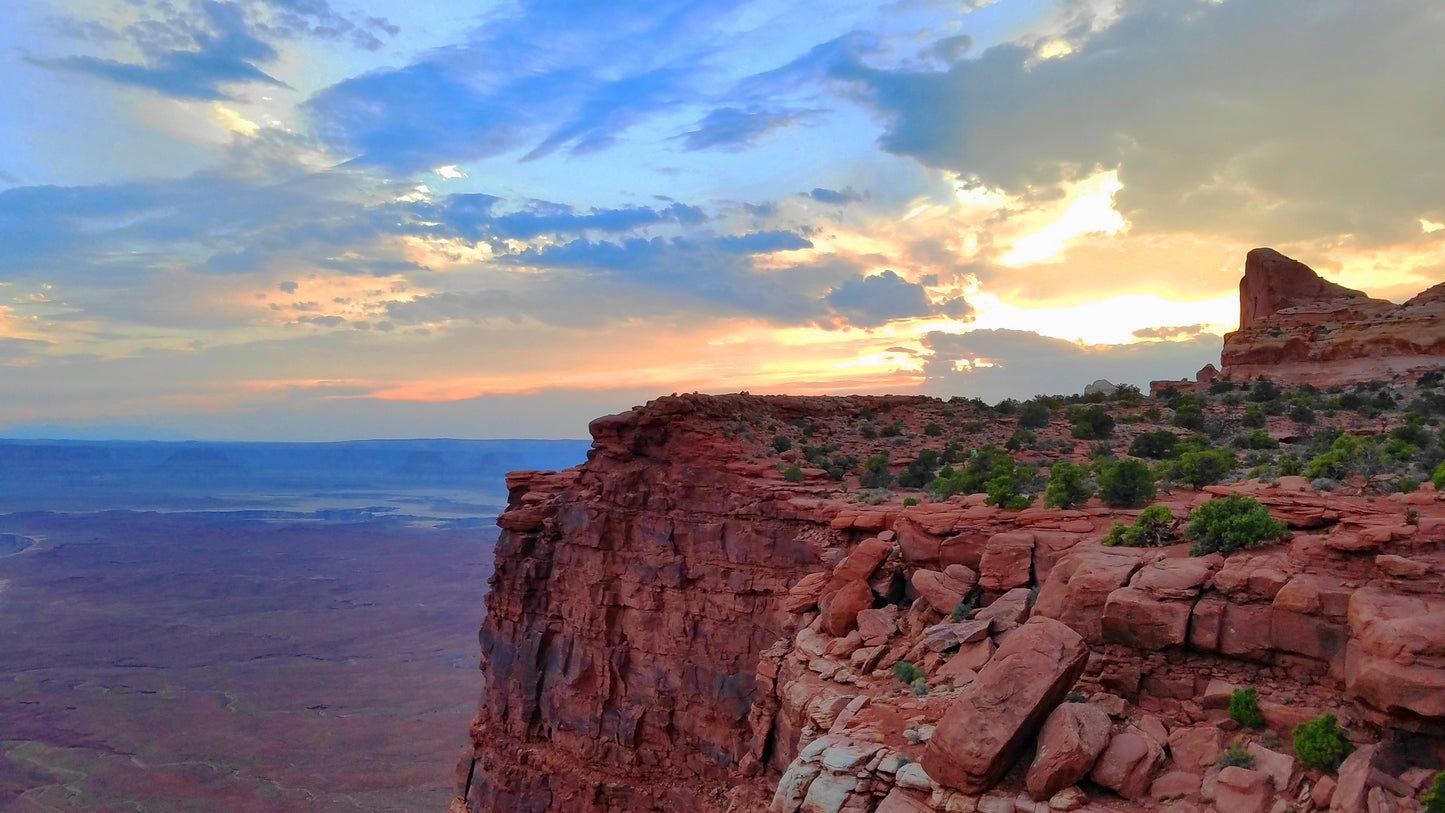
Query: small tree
pixel 1092 423
pixel 782 443
pixel 1068 485
pixel 875 472
pixel 1125 483
pixel 1034 414
pixel 1230 523
pixel 1154 526
pixel 793 473
pixel 1156 444
pixel 1320 743
pixel 1199 469
pixel 907 672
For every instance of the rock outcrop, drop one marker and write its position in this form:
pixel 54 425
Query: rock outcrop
pixel 1296 327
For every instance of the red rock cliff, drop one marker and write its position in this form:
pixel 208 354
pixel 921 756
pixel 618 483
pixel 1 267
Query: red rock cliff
pixel 1296 327
pixel 630 600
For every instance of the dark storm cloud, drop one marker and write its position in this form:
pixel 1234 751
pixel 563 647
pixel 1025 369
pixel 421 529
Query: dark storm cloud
pixel 877 299
pixel 1266 120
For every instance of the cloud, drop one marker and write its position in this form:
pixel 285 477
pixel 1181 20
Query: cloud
pixel 287 287
pixel 221 51
pixel 834 196
pixel 733 128
pixel 994 364
pixel 1169 332
pixel 879 298
pixel 1269 121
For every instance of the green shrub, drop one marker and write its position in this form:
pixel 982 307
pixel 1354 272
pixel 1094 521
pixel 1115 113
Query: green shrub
pixel 1199 469
pixel 782 443
pixel 1034 414
pixel 907 501
pixel 1407 484
pixel 1188 412
pixel 972 427
pixel 1155 445
pixel 1125 483
pixel 1154 526
pixel 1092 423
pixel 1434 798
pixel 932 429
pixel 907 672
pixel 875 472
pixel 793 473
pixel 1230 523
pixel 1021 439
pixel 1068 485
pixel 894 429
pixel 1256 439
pixel 982 465
pixel 921 471
pixel 1263 390
pixel 960 611
pixel 1253 416
pixel 1244 707
pixel 1234 756
pixel 1302 414
pixel 1320 743
pixel 1438 477
pixel 1289 465
pixel 1342 458
pixel 868 430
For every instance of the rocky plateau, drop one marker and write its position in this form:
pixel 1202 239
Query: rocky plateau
pixel 708 615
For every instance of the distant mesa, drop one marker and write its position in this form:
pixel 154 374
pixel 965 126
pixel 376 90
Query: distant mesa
pixel 1296 328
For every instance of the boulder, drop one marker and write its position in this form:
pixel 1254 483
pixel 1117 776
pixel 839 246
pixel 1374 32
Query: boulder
pixel 942 637
pixel 1241 790
pixel 1128 764
pixel 1352 786
pixel 1007 561
pixel 993 718
pixel 1135 618
pixel 1196 748
pixel 841 608
pixel 877 626
pixel 861 561
pixel 940 590
pixel 1080 584
pixel 900 801
pixel 1071 739
pixel 1006 612
pixel 1396 661
pixel 793 788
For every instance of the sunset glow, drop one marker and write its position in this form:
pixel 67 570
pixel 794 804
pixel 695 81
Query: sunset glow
pixel 221 216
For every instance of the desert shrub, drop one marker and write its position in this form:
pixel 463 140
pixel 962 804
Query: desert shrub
pixel 1128 395
pixel 1199 469
pixel 972 427
pixel 960 611
pixel 1092 423
pixel 907 672
pixel 865 414
pixel 1034 414
pixel 1154 526
pixel 1156 444
pixel 894 429
pixel 1021 439
pixel 782 443
pixel 907 501
pixel 921 471
pixel 1244 707
pixel 875 472
pixel 1263 390
pixel 920 687
pixel 793 473
pixel 1219 386
pixel 1320 743
pixel 1230 523
pixel 1068 485
pixel 1302 414
pixel 932 429
pixel 1235 756
pixel 1429 380
pixel 1007 491
pixel 867 430
pixel 1438 477
pixel 1188 412
pixel 1408 484
pixel 1289 465
pixel 1434 797
pixel 1256 439
pixel 1124 483
pixel 1342 458
pixel 1253 416
pixel 983 464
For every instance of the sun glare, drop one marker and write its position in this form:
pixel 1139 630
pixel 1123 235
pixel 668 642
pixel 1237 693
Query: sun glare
pixel 1089 210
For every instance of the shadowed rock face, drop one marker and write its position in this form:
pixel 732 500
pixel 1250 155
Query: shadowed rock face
pixel 1296 327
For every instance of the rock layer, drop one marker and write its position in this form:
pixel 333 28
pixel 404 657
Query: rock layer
pixel 1296 327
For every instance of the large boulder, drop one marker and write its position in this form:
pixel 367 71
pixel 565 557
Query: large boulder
pixel 1080 584
pixel 841 608
pixel 1128 764
pixel 981 735
pixel 1073 736
pixel 1396 661
pixel 1137 619
pixel 946 589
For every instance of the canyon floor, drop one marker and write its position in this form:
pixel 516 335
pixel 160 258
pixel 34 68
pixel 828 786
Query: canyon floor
pixel 276 649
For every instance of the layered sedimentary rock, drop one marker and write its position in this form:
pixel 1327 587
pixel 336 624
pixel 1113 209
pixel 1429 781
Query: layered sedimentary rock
pixel 677 626
pixel 1296 327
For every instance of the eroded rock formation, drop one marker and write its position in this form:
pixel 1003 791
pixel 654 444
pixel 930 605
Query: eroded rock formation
pixel 1296 327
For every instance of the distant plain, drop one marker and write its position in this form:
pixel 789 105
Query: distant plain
pixel 260 627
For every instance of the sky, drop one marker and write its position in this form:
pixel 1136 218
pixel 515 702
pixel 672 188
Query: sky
pixel 325 219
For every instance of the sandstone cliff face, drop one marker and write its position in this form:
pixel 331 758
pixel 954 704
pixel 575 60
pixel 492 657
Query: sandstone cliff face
pixel 674 627
pixel 630 600
pixel 1296 327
